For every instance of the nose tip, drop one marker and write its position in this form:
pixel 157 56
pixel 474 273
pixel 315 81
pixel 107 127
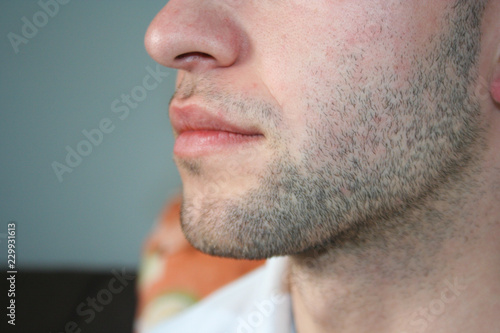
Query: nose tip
pixel 193 35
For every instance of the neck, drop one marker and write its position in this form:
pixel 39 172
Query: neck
pixel 432 269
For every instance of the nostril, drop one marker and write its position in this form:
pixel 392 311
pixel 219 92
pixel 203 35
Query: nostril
pixel 193 56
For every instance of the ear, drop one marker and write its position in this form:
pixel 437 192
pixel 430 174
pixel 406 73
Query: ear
pixel 491 28
pixel 495 84
pixel 495 77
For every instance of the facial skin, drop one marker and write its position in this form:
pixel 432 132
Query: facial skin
pixel 367 152
pixel 363 106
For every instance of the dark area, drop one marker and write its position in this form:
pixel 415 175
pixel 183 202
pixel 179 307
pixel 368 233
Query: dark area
pixel 70 302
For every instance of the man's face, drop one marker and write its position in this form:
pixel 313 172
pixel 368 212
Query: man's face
pixel 300 121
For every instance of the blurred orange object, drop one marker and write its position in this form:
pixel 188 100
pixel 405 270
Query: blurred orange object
pixel 174 275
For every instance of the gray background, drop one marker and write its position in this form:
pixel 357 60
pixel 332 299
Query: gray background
pixel 63 81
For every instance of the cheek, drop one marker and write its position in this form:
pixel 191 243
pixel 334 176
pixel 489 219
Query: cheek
pixel 319 63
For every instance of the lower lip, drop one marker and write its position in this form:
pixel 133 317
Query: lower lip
pixel 199 143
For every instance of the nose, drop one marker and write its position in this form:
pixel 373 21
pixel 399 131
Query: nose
pixel 194 35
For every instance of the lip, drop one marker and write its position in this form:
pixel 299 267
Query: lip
pixel 199 132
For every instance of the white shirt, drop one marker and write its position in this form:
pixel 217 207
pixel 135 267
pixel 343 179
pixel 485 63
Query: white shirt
pixel 255 303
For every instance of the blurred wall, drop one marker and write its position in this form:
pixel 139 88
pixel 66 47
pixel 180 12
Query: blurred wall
pixel 84 171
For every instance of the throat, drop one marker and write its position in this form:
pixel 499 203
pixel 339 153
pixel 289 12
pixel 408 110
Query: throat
pixel 398 275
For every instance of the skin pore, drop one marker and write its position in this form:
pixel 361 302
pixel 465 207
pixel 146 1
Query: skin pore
pixel 378 172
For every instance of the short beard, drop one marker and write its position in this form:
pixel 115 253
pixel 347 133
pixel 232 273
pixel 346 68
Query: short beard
pixel 337 188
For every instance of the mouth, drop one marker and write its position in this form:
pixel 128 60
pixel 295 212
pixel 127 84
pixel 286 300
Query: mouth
pixel 201 133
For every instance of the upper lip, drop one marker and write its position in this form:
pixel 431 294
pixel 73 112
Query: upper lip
pixel 196 118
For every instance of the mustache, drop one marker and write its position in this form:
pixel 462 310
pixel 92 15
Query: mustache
pixel 221 97
pixel 184 90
